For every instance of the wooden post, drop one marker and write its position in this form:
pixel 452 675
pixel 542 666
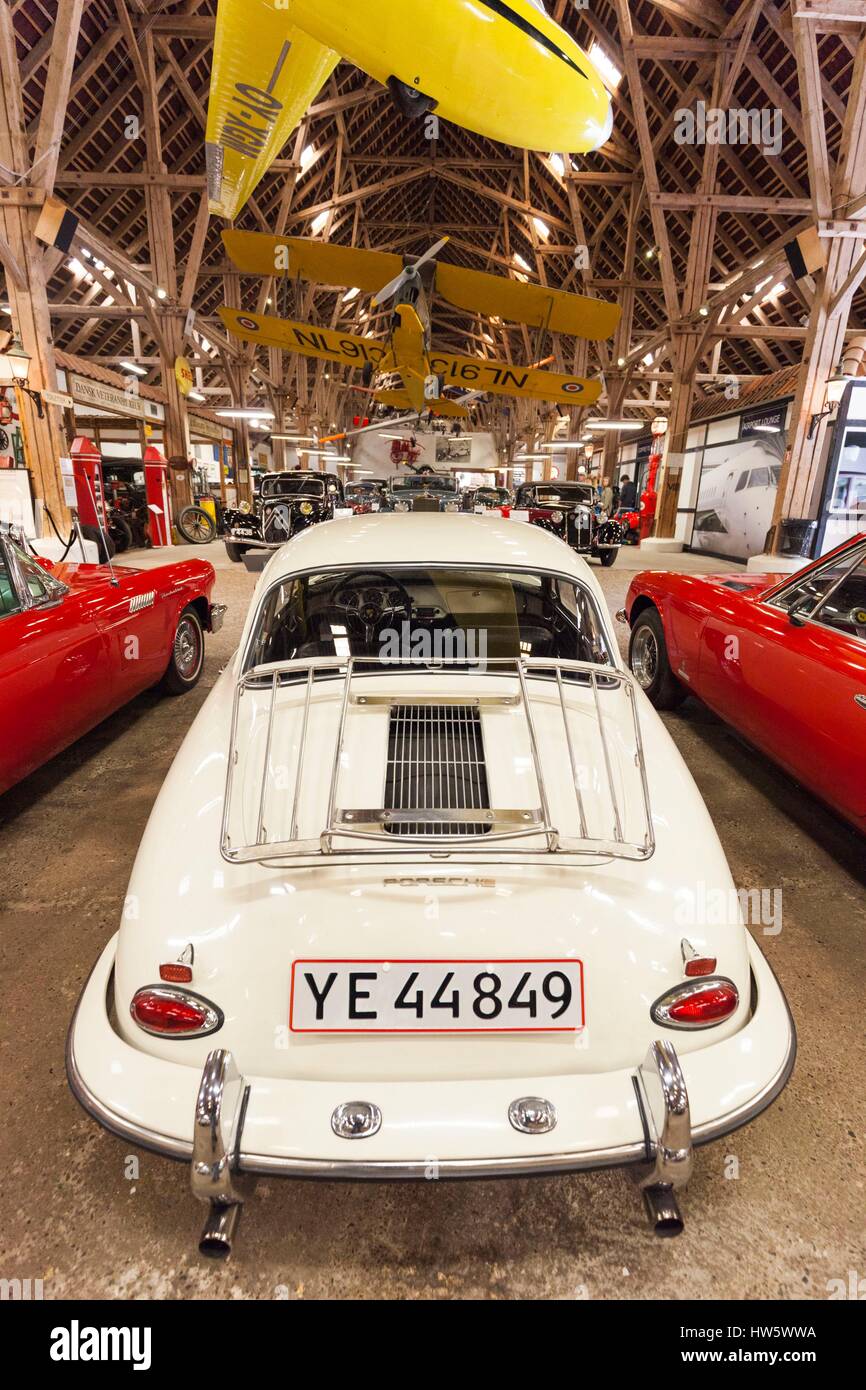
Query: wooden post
pixel 45 437
pixel 801 483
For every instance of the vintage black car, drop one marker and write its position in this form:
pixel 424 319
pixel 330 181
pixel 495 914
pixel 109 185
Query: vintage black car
pixel 487 498
pixel 567 510
pixel 422 492
pixel 285 504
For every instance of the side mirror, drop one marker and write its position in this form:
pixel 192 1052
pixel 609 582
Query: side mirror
pixel 798 617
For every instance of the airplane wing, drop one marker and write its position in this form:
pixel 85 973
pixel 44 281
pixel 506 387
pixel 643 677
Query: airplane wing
pixel 478 374
pixel 305 338
pixel 256 253
pixel 265 74
pixel 536 305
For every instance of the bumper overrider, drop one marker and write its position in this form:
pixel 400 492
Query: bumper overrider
pixel 217 616
pixel 229 1126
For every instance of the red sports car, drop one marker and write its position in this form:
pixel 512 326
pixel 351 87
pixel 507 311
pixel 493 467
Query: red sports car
pixel 79 641
pixel 781 658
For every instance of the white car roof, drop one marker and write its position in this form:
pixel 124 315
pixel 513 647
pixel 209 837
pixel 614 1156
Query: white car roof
pixel 384 539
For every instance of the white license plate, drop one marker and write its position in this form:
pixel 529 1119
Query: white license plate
pixel 436 996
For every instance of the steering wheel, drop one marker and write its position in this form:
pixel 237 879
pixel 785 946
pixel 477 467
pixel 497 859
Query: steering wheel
pixel 366 605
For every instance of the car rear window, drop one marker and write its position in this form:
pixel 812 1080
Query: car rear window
pixel 420 613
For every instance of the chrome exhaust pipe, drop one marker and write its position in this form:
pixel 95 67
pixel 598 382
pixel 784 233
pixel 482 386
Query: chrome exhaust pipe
pixel 664 1103
pixel 217 1127
pixel 219 1230
pixel 663 1210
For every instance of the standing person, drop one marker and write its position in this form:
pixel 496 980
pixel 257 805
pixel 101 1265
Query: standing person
pixel 606 497
pixel 627 494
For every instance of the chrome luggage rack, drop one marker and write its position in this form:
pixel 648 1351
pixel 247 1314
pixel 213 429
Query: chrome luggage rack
pixel 463 826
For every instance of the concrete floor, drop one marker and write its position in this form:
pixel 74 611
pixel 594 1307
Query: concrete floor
pixel 793 1219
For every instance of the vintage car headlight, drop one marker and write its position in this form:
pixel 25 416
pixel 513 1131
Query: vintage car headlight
pixel 174 1013
pixel 401 506
pixel 245 507
pixel 701 1003
pixel 306 509
pixel 556 517
pixel 452 506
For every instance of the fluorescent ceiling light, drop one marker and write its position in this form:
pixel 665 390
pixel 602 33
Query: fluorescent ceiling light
pixel 308 158
pixel 563 444
pixel 243 413
pixel 297 438
pixel 351 294
pixel 541 228
pixel 518 260
pixel 134 367
pixel 318 223
pixel 615 424
pixel 195 396
pixel 607 68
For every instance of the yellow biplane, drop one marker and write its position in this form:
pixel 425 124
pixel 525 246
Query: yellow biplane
pixel 502 68
pixel 423 375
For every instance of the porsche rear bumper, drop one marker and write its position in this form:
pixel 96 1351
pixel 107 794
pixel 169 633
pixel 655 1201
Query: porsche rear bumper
pixel 442 1129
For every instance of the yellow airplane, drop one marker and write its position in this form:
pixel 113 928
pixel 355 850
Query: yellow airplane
pixel 404 370
pixel 502 68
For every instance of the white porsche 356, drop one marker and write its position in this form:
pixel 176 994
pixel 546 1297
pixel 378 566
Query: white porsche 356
pixel 421 895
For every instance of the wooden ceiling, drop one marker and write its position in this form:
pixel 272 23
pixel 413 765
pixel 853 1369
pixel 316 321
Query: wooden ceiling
pixel 383 184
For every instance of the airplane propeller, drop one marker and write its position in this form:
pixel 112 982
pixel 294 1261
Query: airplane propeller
pixel 409 273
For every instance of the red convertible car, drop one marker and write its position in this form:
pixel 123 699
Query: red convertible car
pixel 79 641
pixel 781 658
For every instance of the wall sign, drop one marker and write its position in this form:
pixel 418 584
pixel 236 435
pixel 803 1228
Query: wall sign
pixel 767 420
pixel 184 375
pixel 110 398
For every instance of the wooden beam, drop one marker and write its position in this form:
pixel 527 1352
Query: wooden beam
pixel 734 202
pixel 56 95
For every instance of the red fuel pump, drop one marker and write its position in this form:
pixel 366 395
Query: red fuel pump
pixel 158 503
pixel 89 488
pixel 649 496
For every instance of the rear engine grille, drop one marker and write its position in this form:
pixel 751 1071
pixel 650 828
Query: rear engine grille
pixel 436 763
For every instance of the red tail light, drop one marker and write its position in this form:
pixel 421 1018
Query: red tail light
pixel 174 1013
pixel 699 1004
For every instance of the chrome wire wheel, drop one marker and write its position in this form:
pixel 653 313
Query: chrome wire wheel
pixel 188 648
pixel 645 656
